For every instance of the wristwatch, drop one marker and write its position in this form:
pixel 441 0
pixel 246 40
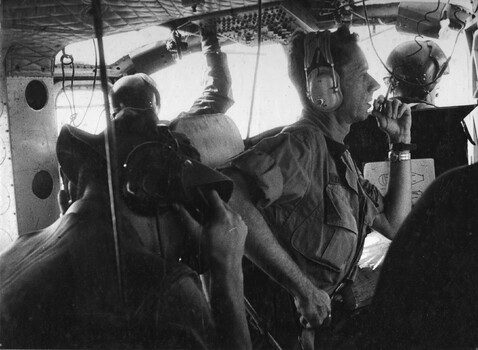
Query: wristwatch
pixel 395 156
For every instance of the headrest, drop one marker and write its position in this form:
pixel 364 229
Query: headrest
pixel 215 136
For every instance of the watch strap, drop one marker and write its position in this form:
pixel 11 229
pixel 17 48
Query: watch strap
pixel 400 147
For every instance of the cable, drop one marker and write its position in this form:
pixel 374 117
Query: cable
pixel 463 24
pixel 418 29
pixel 370 36
pixel 94 85
pixel 350 4
pixel 426 19
pixel 377 34
pixel 70 106
pixel 260 325
pixel 439 73
pixel 110 147
pixel 71 103
pixel 256 68
pixel 356 14
pixel 420 47
pixel 98 122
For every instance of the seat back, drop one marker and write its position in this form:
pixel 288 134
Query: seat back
pixel 215 136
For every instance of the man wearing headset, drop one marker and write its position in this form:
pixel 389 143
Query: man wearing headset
pixel 305 203
pixel 416 68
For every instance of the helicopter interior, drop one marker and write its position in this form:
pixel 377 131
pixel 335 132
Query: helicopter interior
pixel 41 68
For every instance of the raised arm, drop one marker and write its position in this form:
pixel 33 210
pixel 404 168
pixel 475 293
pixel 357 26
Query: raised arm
pixel 395 119
pixel 217 95
pixel 222 242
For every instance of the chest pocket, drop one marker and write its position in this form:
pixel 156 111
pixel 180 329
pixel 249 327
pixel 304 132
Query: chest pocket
pixel 339 203
pixel 330 238
pixel 340 226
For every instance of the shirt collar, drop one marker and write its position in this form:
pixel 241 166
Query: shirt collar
pixel 328 125
pixel 335 148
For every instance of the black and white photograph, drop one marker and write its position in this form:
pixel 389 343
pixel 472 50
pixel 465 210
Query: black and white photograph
pixel 239 174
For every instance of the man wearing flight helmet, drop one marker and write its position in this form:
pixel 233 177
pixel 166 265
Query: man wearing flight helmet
pixel 137 91
pixel 140 91
pixel 306 205
pixel 416 68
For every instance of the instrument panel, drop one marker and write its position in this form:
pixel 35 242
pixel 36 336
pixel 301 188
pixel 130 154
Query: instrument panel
pixel 276 26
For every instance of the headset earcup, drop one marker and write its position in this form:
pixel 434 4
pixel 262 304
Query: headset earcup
pixel 136 195
pixel 321 89
pixel 148 178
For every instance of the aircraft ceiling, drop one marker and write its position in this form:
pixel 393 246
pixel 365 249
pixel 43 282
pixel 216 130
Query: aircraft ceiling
pixel 33 31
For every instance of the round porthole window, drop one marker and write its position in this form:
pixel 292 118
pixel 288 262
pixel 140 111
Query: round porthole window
pixel 36 94
pixel 42 184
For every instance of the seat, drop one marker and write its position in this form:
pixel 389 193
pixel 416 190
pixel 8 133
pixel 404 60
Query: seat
pixel 215 136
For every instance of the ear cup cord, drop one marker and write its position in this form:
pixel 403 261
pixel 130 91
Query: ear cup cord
pixel 440 72
pixel 325 50
pixel 321 79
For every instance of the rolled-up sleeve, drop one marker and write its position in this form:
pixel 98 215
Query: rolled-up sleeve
pixel 279 166
pixel 375 203
pixel 373 193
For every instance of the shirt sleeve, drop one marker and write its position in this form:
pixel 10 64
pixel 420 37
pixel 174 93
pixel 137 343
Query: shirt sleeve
pixel 373 193
pixel 217 94
pixel 279 167
pixel 375 203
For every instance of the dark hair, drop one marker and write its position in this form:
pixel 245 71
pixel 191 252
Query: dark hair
pixel 340 40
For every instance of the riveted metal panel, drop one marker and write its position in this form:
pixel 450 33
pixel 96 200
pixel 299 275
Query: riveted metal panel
pixel 33 139
pixel 8 219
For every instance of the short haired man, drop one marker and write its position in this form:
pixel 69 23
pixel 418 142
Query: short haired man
pixel 59 286
pixel 305 203
pixel 416 68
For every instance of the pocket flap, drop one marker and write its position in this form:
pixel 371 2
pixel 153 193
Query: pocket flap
pixel 338 210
